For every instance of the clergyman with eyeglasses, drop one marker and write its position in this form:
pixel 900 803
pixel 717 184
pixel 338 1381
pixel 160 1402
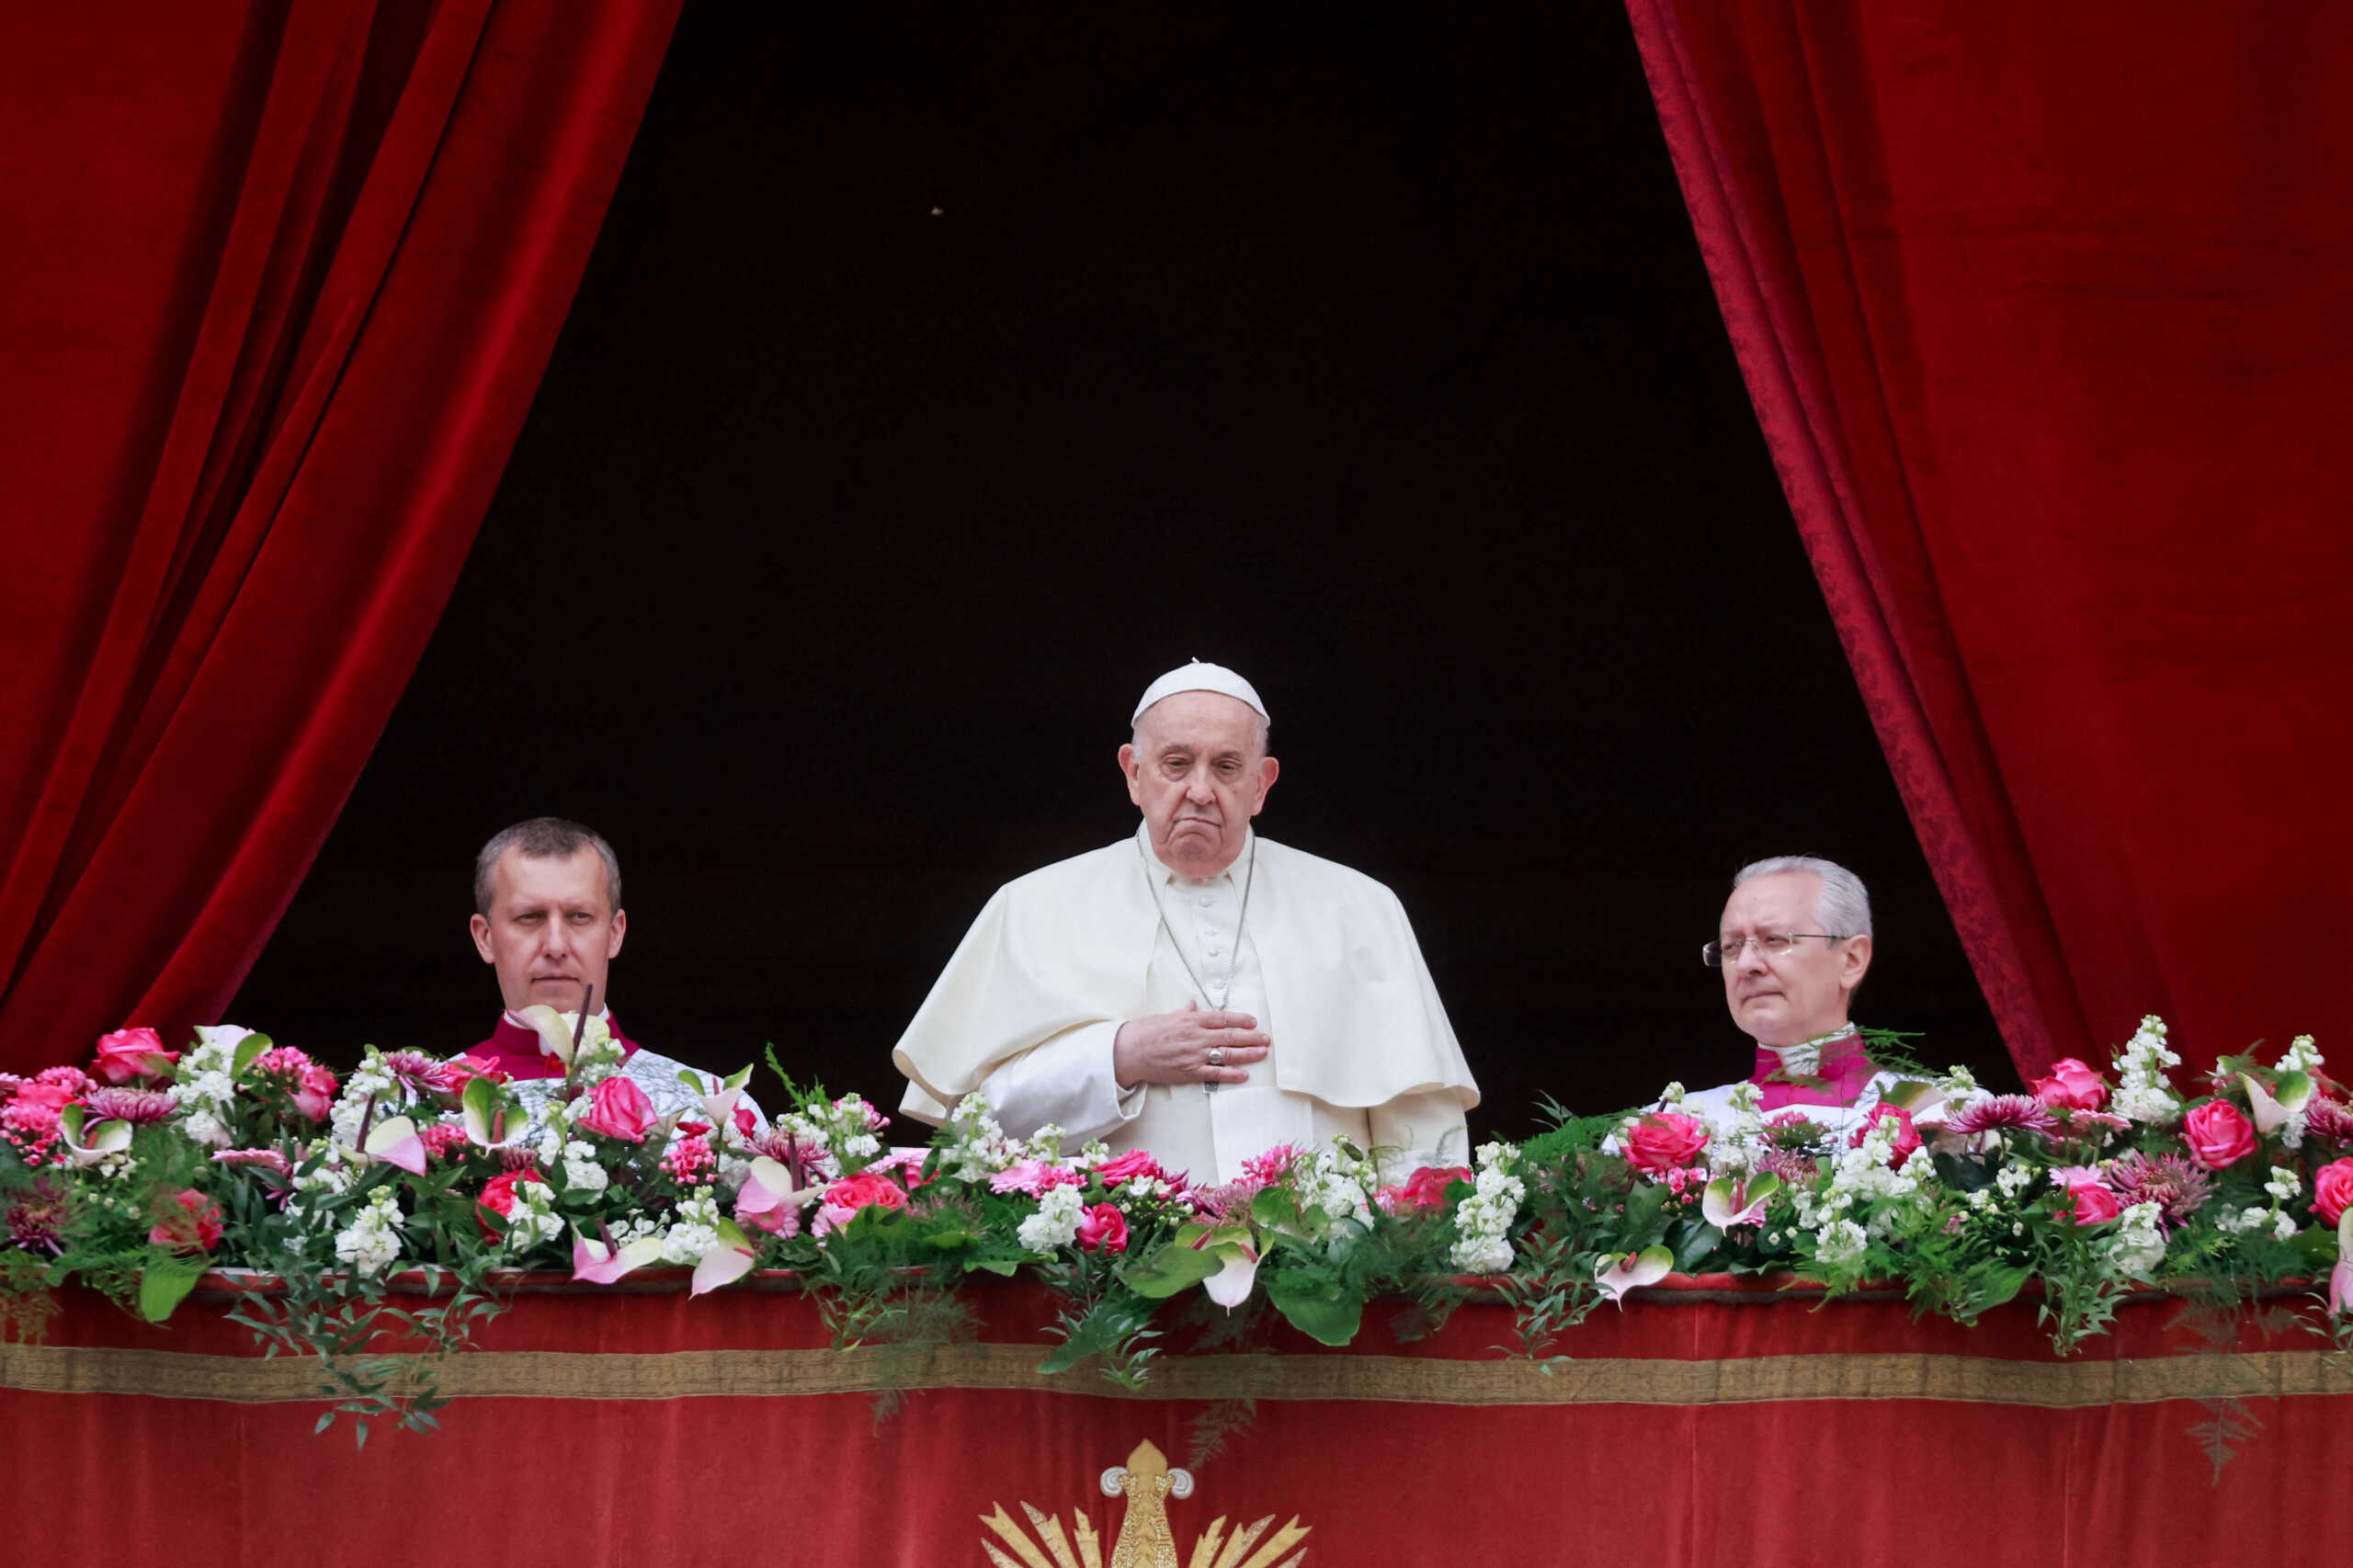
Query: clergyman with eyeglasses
pixel 1793 945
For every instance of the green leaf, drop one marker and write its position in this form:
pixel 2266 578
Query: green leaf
pixel 248 1052
pixel 1004 1268
pixel 1273 1207
pixel 1172 1268
pixel 164 1282
pixel 1316 1305
pixel 1700 1239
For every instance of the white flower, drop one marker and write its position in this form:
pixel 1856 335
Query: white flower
pixel 370 1094
pixel 1671 1097
pixel 1483 1221
pixel 2143 1093
pixel 533 1220
pixel 2283 1226
pixel 1056 1224
pixel 2139 1245
pixel 2284 1184
pixel 1841 1242
pixel 1958 1084
pixel 372 1240
pixel 696 1229
pixel 2302 1055
pixel 581 1171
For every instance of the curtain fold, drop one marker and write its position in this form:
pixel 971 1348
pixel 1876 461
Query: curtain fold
pixel 2045 316
pixel 282 278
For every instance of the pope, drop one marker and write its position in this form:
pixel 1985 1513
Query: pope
pixel 1196 991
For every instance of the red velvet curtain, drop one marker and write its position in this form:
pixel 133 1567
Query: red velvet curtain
pixel 2047 313
pixel 278 279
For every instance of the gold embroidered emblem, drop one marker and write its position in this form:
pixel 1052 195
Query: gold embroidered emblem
pixel 1145 1539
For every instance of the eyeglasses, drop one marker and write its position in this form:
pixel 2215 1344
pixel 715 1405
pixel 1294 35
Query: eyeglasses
pixel 1772 944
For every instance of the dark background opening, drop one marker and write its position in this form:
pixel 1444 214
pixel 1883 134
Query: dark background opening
pixel 940 378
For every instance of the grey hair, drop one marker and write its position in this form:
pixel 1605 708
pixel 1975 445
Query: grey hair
pixel 543 838
pixel 1843 906
pixel 1135 734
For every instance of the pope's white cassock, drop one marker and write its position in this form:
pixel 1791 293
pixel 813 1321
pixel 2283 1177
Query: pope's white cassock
pixel 1323 959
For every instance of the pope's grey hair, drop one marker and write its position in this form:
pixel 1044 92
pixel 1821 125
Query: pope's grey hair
pixel 543 838
pixel 1136 734
pixel 1843 908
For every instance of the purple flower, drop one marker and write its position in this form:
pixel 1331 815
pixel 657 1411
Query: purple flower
pixel 2172 1182
pixel 2000 1114
pixel 137 1107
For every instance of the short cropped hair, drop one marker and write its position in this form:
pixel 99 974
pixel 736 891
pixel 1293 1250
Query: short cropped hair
pixel 1843 906
pixel 543 838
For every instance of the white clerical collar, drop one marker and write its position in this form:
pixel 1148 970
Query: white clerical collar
pixel 1170 874
pixel 1802 1058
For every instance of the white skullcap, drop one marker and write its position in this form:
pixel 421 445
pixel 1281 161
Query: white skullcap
pixel 1198 677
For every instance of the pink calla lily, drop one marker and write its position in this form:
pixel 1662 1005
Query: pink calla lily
pixel 88 1145
pixel 1732 1201
pixel 491 1120
pixel 2340 1278
pixel 725 1264
pixel 1618 1274
pixel 599 1263
pixel 1230 1285
pixel 395 1142
pixel 768 1200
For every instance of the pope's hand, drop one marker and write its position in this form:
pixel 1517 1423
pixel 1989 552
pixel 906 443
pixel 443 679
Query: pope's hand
pixel 1173 1048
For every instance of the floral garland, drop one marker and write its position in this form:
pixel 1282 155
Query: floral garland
pixel 140 1173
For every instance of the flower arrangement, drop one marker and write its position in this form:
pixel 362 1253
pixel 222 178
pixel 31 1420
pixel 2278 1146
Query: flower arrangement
pixel 152 1166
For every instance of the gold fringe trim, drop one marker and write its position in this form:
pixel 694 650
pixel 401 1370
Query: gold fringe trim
pixel 704 1374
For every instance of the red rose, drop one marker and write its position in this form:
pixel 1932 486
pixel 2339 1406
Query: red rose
pixel 2218 1135
pixel 1127 1167
pixel 132 1053
pixel 1103 1228
pixel 1907 1137
pixel 864 1190
pixel 1424 1191
pixel 2332 1190
pixel 189 1221
pixel 1664 1141
pixel 2071 1086
pixel 498 1193
pixel 618 1109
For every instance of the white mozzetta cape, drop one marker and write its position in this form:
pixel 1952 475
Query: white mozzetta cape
pixel 1355 1018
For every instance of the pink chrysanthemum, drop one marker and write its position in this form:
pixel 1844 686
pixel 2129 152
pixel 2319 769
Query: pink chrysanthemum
pixel 1271 1166
pixel 138 1107
pixel 517 1157
pixel 1794 1167
pixel 2172 1182
pixel 2328 1119
pixel 37 1218
pixel 2001 1113
pixel 267 1159
pixel 421 1073
pixel 2082 1121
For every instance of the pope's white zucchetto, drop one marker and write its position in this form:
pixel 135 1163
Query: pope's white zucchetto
pixel 1198 677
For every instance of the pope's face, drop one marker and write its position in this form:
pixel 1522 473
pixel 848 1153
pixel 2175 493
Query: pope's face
pixel 551 929
pixel 1804 993
pixel 1198 774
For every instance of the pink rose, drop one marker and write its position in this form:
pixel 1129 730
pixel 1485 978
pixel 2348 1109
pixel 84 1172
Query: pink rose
pixel 1135 1163
pixel 1907 1137
pixel 188 1221
pixel 132 1053
pixel 1424 1192
pixel 2218 1135
pixel 460 1070
pixel 1665 1140
pixel 2071 1086
pixel 314 1092
pixel 867 1190
pixel 2091 1204
pixel 2332 1190
pixel 618 1109
pixel 1103 1228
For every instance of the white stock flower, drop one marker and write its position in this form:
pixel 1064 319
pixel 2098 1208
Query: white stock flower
pixel 372 1240
pixel 1841 1242
pixel 2142 1093
pixel 2301 1056
pixel 581 1171
pixel 2139 1244
pixel 1483 1221
pixel 2284 1184
pixel 1056 1224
